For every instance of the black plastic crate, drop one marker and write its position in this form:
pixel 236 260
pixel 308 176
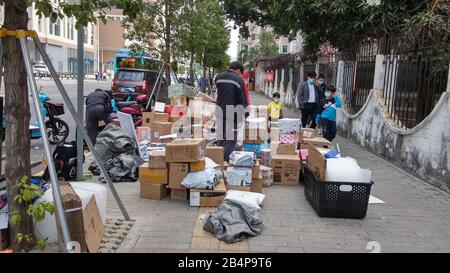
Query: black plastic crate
pixel 337 199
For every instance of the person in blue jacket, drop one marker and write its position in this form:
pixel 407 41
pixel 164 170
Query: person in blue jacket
pixel 328 116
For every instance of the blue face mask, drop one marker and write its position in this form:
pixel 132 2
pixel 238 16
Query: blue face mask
pixel 327 94
pixel 311 81
pixel 276 100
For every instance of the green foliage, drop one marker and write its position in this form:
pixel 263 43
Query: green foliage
pixel 266 47
pixel 26 193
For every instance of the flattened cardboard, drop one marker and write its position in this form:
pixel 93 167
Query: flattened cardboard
pixel 286 149
pixel 177 172
pixel 186 150
pixel 93 225
pixel 316 162
pixel 153 191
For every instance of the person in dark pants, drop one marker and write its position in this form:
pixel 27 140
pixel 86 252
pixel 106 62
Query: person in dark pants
pixel 309 97
pixel 328 117
pixel 98 108
pixel 230 94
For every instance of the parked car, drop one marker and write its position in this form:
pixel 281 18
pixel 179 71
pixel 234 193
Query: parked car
pixel 134 82
pixel 41 70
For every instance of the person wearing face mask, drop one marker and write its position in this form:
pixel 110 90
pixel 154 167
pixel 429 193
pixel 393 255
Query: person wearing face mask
pixel 309 96
pixel 321 83
pixel 275 108
pixel 328 116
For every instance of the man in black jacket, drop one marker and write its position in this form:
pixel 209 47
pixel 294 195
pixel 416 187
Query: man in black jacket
pixel 231 102
pixel 98 108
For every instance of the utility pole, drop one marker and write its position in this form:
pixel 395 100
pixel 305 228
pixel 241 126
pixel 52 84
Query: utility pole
pixel 80 101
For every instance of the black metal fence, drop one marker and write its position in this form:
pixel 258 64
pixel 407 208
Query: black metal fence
pixel 414 81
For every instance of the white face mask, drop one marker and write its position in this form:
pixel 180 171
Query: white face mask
pixel 276 100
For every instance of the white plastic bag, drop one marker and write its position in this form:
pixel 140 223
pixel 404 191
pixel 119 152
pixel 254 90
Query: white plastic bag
pixel 346 169
pixel 252 198
pixel 203 180
pixel 243 159
pixel 239 176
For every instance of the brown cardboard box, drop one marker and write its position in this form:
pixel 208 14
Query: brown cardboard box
pixel 186 150
pixel 153 191
pixel 197 166
pixel 256 170
pixel 316 141
pixel 204 97
pixel 149 117
pixel 286 169
pixel 238 188
pixel 197 130
pixel 286 149
pixel 93 226
pixel 159 129
pixel 152 176
pixel 180 100
pixel 157 160
pixel 274 134
pixel 208 198
pixel 177 172
pixel 179 195
pixel 308 133
pixel 253 136
pixel 316 162
pixel 4 239
pixel 257 185
pixel 216 154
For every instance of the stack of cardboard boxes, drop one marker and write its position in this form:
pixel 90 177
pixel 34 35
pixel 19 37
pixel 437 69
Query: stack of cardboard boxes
pixel 244 178
pixel 153 176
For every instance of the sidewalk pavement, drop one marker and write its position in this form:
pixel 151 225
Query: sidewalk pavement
pixel 415 217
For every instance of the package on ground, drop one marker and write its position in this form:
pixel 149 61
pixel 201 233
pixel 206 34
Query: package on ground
pixel 256 170
pixel 186 150
pixel 174 119
pixel 267 176
pixel 143 133
pixel 153 191
pixel 257 184
pixel 159 129
pixel 168 138
pixel 239 176
pixel 255 148
pixel 4 239
pixel 287 149
pixel 204 180
pixel 257 124
pixel 93 226
pixel 274 147
pixel 154 176
pixel 202 111
pixel 179 111
pixel 176 90
pixel 216 154
pixel 243 159
pixel 251 198
pixel 289 138
pixel 253 136
pixel 253 112
pixel 149 117
pixel 197 166
pixel 274 134
pixel 289 125
pixel 316 141
pixel 308 133
pixel 204 97
pixel 266 154
pixel 177 172
pixel 197 131
pixel 179 194
pixel 179 100
pixel 286 169
pixel 157 159
pixel 208 198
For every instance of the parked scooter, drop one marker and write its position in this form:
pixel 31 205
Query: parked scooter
pixel 134 108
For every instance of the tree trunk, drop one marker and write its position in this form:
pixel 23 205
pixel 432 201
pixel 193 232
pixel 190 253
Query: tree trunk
pixel 17 110
pixel 191 68
pixel 168 37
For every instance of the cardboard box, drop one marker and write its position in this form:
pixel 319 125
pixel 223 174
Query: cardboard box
pixel 286 149
pixel 180 100
pixel 149 117
pixel 253 136
pixel 197 130
pixel 316 141
pixel 4 239
pixel 157 160
pixel 197 166
pixel 316 162
pixel 216 154
pixel 152 176
pixel 143 133
pixel 204 97
pixel 257 185
pixel 274 134
pixel 179 195
pixel 186 150
pixel 153 191
pixel 256 170
pixel 208 198
pixel 159 129
pixel 177 172
pixel 308 133
pixel 286 169
pixel 93 225
pixel 266 172
pixel 238 188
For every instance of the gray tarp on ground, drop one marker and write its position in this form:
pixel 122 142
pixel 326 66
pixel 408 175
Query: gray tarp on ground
pixel 234 221
pixel 118 152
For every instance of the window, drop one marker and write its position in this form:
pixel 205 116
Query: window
pixel 57 26
pixel 40 24
pixel 285 49
pixel 253 37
